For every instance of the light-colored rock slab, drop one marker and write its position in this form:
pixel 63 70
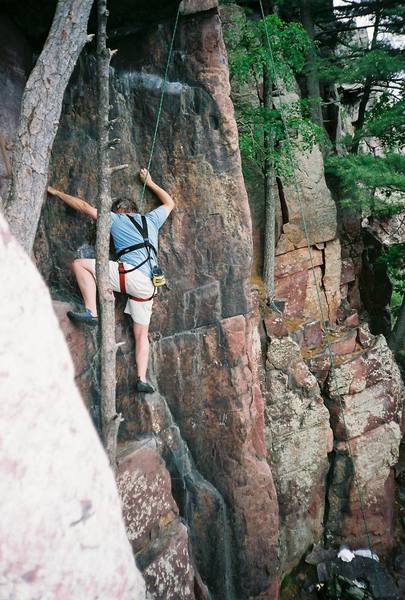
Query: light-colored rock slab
pixel 61 533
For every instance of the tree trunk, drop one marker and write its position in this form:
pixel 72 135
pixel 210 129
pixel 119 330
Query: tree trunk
pixel 368 84
pixel 269 200
pixel 312 78
pixel 110 421
pixel 40 112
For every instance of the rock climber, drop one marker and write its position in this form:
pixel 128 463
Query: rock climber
pixel 138 283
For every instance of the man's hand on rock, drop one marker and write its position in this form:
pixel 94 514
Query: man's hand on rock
pixel 144 176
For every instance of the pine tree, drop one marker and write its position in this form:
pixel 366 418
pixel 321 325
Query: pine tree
pixel 268 75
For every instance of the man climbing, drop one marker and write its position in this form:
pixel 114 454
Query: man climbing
pixel 135 282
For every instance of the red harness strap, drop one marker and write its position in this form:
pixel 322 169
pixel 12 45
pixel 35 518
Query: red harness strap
pixel 121 271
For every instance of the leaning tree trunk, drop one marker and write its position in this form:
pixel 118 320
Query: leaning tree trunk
pixel 40 111
pixel 110 420
pixel 269 200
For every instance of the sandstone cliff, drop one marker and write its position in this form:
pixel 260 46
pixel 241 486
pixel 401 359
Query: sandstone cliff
pixel 238 463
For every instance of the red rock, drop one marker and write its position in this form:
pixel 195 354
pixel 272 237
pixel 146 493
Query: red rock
pixel 303 378
pixel 344 345
pixel 348 272
pixel 166 565
pixel 331 277
pixel 374 455
pixel 275 325
pixel 284 245
pixel 364 411
pixel 315 294
pixel 62 532
pixel 319 365
pixel 293 289
pixel 145 488
pixel 352 321
pixel 234 330
pixel 365 338
pixel 312 334
pixel 81 343
pixel 296 261
pixel 219 410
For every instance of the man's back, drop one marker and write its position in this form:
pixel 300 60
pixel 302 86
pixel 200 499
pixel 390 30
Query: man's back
pixel 125 234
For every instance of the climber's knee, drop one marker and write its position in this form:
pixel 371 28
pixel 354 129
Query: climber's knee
pixel 89 264
pixel 140 332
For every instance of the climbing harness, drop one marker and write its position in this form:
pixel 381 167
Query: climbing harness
pixel 157 281
pixel 329 348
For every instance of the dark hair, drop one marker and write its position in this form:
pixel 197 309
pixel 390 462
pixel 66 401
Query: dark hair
pixel 124 204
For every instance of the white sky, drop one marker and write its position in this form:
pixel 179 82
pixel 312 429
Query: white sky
pixel 362 21
pixel 396 41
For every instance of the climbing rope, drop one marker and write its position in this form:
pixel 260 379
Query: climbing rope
pixel 159 113
pixel 329 348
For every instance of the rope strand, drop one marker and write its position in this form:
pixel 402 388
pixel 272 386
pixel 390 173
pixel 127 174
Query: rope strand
pixel 159 114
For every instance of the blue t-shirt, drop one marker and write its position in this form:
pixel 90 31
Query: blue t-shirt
pixel 125 234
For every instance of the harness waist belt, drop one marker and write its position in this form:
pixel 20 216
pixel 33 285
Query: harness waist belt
pixel 121 271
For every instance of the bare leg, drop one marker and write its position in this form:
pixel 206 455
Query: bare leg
pixel 141 349
pixel 83 268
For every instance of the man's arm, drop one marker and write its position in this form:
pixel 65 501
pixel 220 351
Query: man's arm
pixel 75 203
pixel 159 192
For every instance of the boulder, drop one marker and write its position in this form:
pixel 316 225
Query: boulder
pixel 366 403
pixel 318 205
pixel 159 540
pixel 189 7
pixel 61 532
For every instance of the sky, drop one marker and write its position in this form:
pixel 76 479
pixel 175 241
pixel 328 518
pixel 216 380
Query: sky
pixel 362 21
pixel 396 41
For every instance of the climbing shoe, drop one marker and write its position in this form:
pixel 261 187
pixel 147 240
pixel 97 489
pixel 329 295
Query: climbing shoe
pixel 85 316
pixel 143 387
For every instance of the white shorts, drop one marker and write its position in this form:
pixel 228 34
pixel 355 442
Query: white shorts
pixel 136 284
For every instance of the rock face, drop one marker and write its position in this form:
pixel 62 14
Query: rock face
pixel 148 506
pixel 201 354
pixel 366 414
pixel 61 532
pixel 299 439
pixel 230 470
pixel 15 62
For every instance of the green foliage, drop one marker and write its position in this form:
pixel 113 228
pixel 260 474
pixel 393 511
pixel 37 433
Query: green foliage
pixel 374 183
pixel 356 64
pixel 393 258
pixel 249 58
pixel 386 122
